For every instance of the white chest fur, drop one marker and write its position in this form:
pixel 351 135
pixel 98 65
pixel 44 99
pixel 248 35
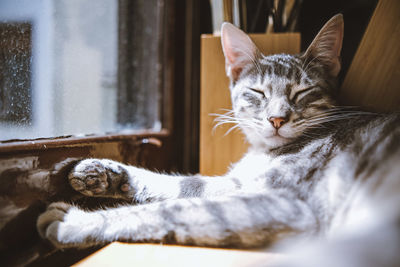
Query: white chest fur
pixel 251 170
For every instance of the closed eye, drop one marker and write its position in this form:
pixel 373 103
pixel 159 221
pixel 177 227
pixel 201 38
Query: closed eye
pixel 302 91
pixel 257 91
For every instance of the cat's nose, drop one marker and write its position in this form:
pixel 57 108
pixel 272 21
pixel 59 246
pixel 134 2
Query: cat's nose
pixel 277 122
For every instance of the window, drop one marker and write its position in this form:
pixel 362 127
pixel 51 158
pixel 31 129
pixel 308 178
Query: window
pixel 73 67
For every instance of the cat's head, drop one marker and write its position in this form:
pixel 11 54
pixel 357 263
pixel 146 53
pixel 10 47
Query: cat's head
pixel 276 98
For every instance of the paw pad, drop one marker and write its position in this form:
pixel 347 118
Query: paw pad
pixel 104 178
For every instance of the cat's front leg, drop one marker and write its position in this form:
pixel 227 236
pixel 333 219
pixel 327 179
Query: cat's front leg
pixel 236 221
pixel 107 178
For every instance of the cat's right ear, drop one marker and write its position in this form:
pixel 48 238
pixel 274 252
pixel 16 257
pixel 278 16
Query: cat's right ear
pixel 327 45
pixel 238 48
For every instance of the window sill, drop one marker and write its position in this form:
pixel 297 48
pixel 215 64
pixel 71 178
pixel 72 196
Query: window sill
pixel 64 141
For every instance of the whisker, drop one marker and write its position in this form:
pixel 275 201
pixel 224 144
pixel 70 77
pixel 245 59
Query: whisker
pixel 234 127
pixel 229 118
pixel 333 114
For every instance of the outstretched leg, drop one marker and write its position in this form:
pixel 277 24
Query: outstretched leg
pixel 108 178
pixel 235 221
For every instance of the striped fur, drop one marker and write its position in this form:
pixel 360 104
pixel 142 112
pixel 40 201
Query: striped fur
pixel 328 172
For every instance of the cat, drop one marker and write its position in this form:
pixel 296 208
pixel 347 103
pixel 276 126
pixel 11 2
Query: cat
pixel 313 170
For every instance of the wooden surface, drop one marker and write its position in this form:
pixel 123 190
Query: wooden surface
pixel 373 79
pixel 122 254
pixel 217 151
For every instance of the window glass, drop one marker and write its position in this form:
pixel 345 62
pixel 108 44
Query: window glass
pixel 59 70
pixel 15 72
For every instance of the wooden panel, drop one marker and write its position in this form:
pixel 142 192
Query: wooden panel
pixel 119 254
pixel 373 79
pixel 217 151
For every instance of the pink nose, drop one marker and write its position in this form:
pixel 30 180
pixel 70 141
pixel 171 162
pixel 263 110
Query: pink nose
pixel 277 122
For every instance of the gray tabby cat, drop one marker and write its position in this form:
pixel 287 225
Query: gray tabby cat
pixel 313 169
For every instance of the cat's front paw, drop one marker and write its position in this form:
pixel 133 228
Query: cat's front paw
pixel 50 222
pixel 67 226
pixel 101 177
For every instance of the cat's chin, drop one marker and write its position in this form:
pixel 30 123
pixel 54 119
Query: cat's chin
pixel 265 141
pixel 277 141
pixel 269 143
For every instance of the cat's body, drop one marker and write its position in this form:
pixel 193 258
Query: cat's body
pixel 313 169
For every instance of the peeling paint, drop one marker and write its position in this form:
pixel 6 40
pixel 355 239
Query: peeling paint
pixel 24 164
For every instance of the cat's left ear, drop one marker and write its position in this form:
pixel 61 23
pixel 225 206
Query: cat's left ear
pixel 327 45
pixel 238 48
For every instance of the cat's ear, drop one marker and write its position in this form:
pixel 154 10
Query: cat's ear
pixel 238 48
pixel 327 45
